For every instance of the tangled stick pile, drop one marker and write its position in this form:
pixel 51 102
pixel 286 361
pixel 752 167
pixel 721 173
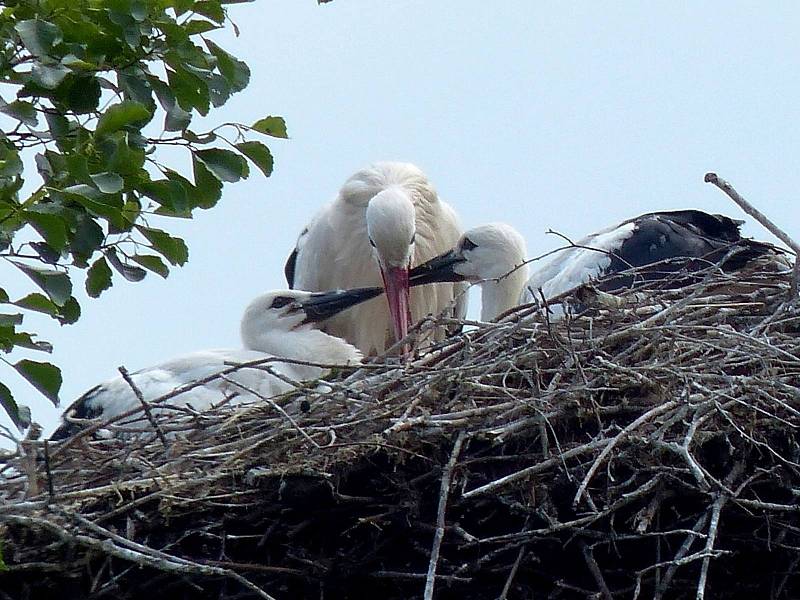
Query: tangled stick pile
pixel 648 448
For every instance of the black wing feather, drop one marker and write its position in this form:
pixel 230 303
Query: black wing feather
pixel 700 238
pixel 289 267
pixel 79 409
pixel 291 263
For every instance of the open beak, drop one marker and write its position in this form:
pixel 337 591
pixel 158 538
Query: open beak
pixel 395 281
pixel 438 269
pixel 324 305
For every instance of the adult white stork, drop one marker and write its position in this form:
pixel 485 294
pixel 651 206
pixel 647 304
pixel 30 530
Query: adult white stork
pixel 386 218
pixel 494 256
pixel 276 324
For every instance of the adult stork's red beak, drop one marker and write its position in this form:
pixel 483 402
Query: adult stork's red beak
pixel 395 282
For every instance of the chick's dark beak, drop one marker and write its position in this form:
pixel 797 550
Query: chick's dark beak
pixel 437 270
pixel 324 305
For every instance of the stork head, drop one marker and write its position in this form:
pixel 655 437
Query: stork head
pixel 486 252
pixel 391 227
pixel 292 310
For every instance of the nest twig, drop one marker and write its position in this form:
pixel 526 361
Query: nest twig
pixel 643 448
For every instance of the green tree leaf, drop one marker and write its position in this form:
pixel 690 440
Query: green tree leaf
pixel 7 333
pixel 129 272
pixel 172 248
pixel 45 252
pixel 56 284
pixel 205 138
pixel 219 90
pixel 97 204
pixel 20 418
pixel 200 26
pixel 169 194
pixel 38 36
pixel 51 227
pixel 177 119
pixel 108 183
pixel 259 154
pixel 211 9
pixel 66 314
pixel 70 312
pixel 223 164
pixel 78 93
pixel 39 303
pixel 152 263
pixel 87 237
pixel 98 278
pixel 190 90
pixel 274 126
pixel 120 155
pixel 44 376
pixel 20 110
pixel 126 113
pixel 136 87
pixel 10 319
pixel 236 72
pixel 24 339
pixel 10 163
pixel 49 77
pixel 58 124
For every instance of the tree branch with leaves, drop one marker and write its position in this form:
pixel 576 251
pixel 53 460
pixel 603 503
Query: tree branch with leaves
pixel 94 91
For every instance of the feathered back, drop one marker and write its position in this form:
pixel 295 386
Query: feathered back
pixel 361 187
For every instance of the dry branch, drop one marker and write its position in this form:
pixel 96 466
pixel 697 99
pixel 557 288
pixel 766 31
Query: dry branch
pixel 765 221
pixel 440 518
pixel 145 405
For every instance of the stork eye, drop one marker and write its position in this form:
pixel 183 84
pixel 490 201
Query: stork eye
pixel 468 244
pixel 371 243
pixel 281 301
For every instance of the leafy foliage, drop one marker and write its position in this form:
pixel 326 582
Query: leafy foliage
pixel 93 91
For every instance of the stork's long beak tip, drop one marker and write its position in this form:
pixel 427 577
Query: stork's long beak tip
pixel 438 269
pixel 395 281
pixel 324 305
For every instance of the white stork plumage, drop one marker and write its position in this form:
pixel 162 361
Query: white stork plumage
pixel 491 255
pixel 276 324
pixel 386 218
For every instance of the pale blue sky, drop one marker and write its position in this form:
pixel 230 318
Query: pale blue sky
pixel 569 116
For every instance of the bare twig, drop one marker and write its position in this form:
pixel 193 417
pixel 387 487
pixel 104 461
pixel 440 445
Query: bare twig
pixel 438 536
pixel 275 406
pixel 764 220
pixel 511 574
pixel 28 462
pixel 594 569
pixel 50 493
pixel 678 560
pixel 537 468
pixel 145 405
pixel 138 554
pixel 716 509
pixel 648 416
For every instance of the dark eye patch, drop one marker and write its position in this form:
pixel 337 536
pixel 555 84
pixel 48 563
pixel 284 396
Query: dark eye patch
pixel 468 244
pixel 281 301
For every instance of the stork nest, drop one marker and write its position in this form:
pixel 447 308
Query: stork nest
pixel 645 448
